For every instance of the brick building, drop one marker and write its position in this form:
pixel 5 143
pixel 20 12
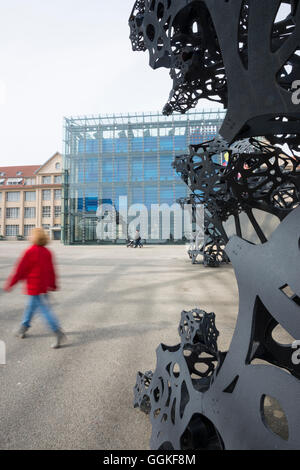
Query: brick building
pixel 30 196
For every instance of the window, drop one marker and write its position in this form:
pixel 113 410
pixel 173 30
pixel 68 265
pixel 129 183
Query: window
pixel 30 181
pixel 2 173
pixel 57 166
pixel 46 226
pixel 29 213
pixel 57 211
pixel 57 179
pixel 57 194
pixel 12 213
pixel 19 173
pixel 12 230
pixel 28 229
pixel 0 197
pixel 13 196
pixel 0 212
pixel 14 181
pixel 46 195
pixel 46 179
pixel 47 211
pixel 30 196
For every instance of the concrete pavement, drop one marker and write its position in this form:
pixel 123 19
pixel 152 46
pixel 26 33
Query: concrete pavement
pixel 116 305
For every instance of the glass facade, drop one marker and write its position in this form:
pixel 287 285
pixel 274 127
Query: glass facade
pixel 107 157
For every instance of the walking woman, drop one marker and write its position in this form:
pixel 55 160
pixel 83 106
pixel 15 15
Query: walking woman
pixel 37 270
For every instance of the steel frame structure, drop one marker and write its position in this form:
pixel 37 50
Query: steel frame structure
pixel 96 141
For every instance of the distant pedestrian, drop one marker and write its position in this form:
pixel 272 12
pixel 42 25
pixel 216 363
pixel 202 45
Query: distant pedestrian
pixel 137 239
pixel 37 270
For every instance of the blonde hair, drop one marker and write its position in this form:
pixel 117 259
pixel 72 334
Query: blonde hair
pixel 39 237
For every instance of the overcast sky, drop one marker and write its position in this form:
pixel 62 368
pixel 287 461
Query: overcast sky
pixel 68 57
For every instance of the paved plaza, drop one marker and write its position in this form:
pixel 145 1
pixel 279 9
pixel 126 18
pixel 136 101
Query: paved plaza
pixel 116 305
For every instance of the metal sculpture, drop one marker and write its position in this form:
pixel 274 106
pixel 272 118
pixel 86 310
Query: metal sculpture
pixel 202 398
pixel 258 176
pixel 190 38
pixel 266 178
pixel 203 176
pixel 208 243
pixel 244 54
pixel 241 53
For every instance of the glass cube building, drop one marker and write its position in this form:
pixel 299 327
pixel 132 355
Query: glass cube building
pixel 125 155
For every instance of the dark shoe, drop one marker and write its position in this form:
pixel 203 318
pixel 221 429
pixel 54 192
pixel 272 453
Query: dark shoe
pixel 22 332
pixel 60 338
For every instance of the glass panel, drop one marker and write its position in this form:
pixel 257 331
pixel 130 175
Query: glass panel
pixel 166 143
pixel 151 195
pixel 91 200
pixel 121 169
pixel 121 144
pixel 167 195
pixel 181 191
pixel 137 195
pixel 166 169
pixel 90 225
pixel 137 168
pixel 137 144
pixel 151 168
pixel 92 170
pixel 107 170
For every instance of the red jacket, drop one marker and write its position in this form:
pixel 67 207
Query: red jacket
pixel 36 268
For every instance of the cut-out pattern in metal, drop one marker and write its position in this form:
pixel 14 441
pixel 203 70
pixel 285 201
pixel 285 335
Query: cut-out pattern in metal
pixel 252 75
pixel 214 249
pixel 141 397
pixel 201 398
pixel 266 178
pixel 258 176
pixel 208 243
pixel 198 326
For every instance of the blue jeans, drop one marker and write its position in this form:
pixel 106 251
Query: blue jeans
pixel 40 302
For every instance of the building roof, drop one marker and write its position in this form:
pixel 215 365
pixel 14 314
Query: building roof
pixel 205 116
pixel 11 171
pixel 49 160
pixel 13 177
